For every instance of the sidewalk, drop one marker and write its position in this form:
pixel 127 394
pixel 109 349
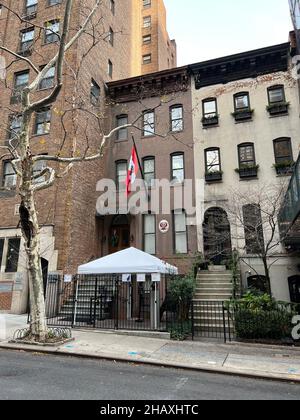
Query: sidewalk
pixel 269 362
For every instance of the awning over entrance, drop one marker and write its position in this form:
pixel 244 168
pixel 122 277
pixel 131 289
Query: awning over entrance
pixel 128 261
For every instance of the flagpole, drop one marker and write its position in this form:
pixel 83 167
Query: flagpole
pixel 141 169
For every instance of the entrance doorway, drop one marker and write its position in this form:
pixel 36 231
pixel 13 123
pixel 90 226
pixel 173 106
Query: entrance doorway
pixel 294 284
pixel 119 236
pixel 217 236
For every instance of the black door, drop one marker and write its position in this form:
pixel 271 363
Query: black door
pixel 294 284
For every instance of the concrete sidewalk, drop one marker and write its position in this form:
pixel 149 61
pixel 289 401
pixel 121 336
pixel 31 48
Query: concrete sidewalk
pixel 269 362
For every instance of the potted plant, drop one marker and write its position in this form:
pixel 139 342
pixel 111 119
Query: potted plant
pixel 278 108
pixel 210 120
pixel 213 176
pixel 247 171
pixel 284 168
pixel 243 114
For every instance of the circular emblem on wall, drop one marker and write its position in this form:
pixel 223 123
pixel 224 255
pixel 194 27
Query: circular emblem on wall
pixel 164 226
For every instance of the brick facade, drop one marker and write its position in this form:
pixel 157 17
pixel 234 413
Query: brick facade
pixel 69 206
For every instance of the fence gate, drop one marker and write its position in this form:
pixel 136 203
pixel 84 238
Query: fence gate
pixel 106 302
pixel 210 319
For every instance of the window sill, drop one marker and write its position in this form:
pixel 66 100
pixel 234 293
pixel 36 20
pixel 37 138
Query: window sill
pixel 40 135
pixel 149 137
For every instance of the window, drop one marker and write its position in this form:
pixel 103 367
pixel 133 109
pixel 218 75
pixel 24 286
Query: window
pixel 38 167
pixel 180 232
pixel 51 31
pixel 283 150
pixel 122 134
pixel 20 82
pixel 95 93
pixel 121 175
pixel 241 102
pixel 212 160
pixel 111 36
pixel 149 234
pixel 43 121
pixel 147 39
pixel 253 227
pixel 112 6
pixel 146 4
pixel 30 7
pixel 110 68
pixel 147 22
pixel 210 108
pixel 177 168
pixel 149 170
pixel 147 59
pixel 47 81
pixel 54 2
pixel 1 250
pixel 9 176
pixel 276 95
pixel 176 114
pixel 148 124
pixel 12 258
pixel 27 38
pixel 246 155
pixel 14 126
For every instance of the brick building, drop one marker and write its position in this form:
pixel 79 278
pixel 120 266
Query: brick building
pixel 161 104
pixel 67 210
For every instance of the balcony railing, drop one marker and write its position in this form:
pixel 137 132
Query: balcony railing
pixel 290 209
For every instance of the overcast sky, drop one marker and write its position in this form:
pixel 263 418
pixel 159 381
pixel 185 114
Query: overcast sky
pixel 206 29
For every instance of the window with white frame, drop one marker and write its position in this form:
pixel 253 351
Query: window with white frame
pixel 51 31
pixel 150 234
pixel 180 232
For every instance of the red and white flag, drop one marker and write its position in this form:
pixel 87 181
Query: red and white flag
pixel 132 171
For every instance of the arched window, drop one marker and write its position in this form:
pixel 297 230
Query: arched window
pixel 176 118
pixel 276 94
pixel 253 227
pixel 177 168
pixel 241 102
pixel 212 160
pixel 210 112
pixel 283 150
pixel 246 154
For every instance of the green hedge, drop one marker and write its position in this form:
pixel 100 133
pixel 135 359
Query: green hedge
pixel 259 324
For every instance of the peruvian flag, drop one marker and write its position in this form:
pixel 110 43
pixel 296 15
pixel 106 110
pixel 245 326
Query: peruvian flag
pixel 132 171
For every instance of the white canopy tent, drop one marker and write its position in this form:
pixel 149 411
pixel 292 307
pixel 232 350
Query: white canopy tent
pixel 128 261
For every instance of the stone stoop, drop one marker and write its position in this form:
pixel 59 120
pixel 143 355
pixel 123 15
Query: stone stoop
pixel 213 287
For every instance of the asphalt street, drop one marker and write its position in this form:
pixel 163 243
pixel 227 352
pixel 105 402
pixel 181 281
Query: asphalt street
pixel 25 376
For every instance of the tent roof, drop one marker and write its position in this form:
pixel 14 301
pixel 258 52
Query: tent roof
pixel 128 261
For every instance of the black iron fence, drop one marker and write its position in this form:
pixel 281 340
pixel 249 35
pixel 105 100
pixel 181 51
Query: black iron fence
pixel 107 302
pixel 210 319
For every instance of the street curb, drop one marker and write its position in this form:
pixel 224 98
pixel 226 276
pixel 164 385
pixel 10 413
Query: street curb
pixel 205 369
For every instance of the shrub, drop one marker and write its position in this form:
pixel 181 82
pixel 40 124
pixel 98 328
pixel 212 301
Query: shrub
pixel 181 291
pixel 260 324
pixel 259 316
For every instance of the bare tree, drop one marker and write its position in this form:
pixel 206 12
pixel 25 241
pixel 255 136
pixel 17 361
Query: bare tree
pixel 253 215
pixel 37 172
pixel 20 151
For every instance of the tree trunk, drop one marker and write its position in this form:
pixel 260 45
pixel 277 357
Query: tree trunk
pixel 30 228
pixel 267 274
